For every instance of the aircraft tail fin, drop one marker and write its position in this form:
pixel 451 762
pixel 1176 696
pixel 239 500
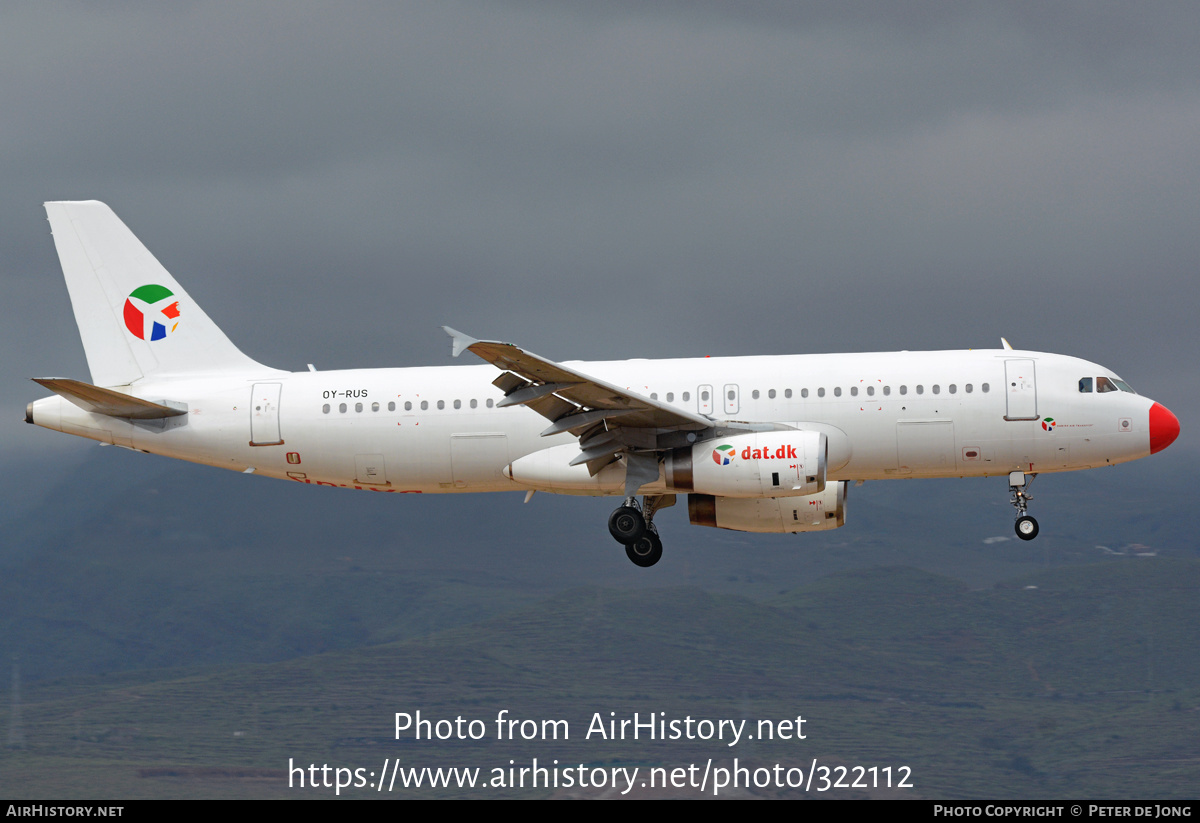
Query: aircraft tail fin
pixel 134 318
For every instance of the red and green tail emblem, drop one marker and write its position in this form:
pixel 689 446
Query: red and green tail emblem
pixel 150 314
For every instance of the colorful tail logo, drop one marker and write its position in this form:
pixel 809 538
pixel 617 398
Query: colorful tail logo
pixel 148 315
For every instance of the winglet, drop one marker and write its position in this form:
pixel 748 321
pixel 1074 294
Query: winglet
pixel 1006 344
pixel 459 342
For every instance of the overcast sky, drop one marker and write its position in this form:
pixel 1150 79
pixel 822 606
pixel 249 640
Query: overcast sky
pixel 334 181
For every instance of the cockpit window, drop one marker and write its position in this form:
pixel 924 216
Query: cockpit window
pixel 1085 385
pixel 1123 386
pixel 1103 384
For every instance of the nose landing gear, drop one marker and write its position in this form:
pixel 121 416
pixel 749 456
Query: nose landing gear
pixel 633 526
pixel 1018 483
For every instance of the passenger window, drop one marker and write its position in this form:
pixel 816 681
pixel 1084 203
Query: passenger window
pixel 821 392
pixel 754 394
pixel 986 388
pixel 474 403
pixel 887 391
pixel 358 407
pixel 325 409
pixel 392 405
pixel 653 395
pixel 870 391
pixel 904 389
pixel 920 389
pixel 704 395
pixel 937 389
pixel 788 393
pixel 970 388
pixel 670 396
pixel 408 405
pixel 771 394
pixel 458 404
pixel 1103 384
pixel 854 391
pixel 424 405
pixel 837 392
pixel 953 388
pixel 342 408
pixel 489 403
pixel 687 395
pixel 374 407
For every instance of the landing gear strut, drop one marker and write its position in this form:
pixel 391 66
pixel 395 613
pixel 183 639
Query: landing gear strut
pixel 1018 482
pixel 633 525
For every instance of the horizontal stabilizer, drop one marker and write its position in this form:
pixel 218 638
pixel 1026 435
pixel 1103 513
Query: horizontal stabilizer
pixel 106 401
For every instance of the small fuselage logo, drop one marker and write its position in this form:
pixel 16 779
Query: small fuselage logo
pixel 151 313
pixel 1048 424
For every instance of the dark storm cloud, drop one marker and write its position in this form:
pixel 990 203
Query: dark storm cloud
pixel 629 180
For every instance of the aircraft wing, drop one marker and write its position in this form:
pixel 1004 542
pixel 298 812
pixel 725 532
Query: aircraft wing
pixel 586 399
pixel 608 419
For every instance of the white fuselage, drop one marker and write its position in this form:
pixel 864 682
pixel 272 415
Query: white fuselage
pixel 436 429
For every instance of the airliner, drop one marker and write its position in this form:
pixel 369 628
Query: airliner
pixel 758 444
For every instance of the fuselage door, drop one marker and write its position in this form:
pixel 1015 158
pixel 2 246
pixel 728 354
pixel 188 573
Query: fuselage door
pixel 1020 390
pixel 925 446
pixel 369 470
pixel 479 459
pixel 264 414
pixel 731 398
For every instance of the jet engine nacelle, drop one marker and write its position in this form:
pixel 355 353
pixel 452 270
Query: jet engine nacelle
pixel 550 470
pixel 759 464
pixel 811 513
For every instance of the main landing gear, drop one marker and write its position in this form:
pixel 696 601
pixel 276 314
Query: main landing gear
pixel 1026 527
pixel 633 526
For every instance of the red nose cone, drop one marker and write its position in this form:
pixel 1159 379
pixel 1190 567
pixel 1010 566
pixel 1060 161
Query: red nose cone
pixel 1164 427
